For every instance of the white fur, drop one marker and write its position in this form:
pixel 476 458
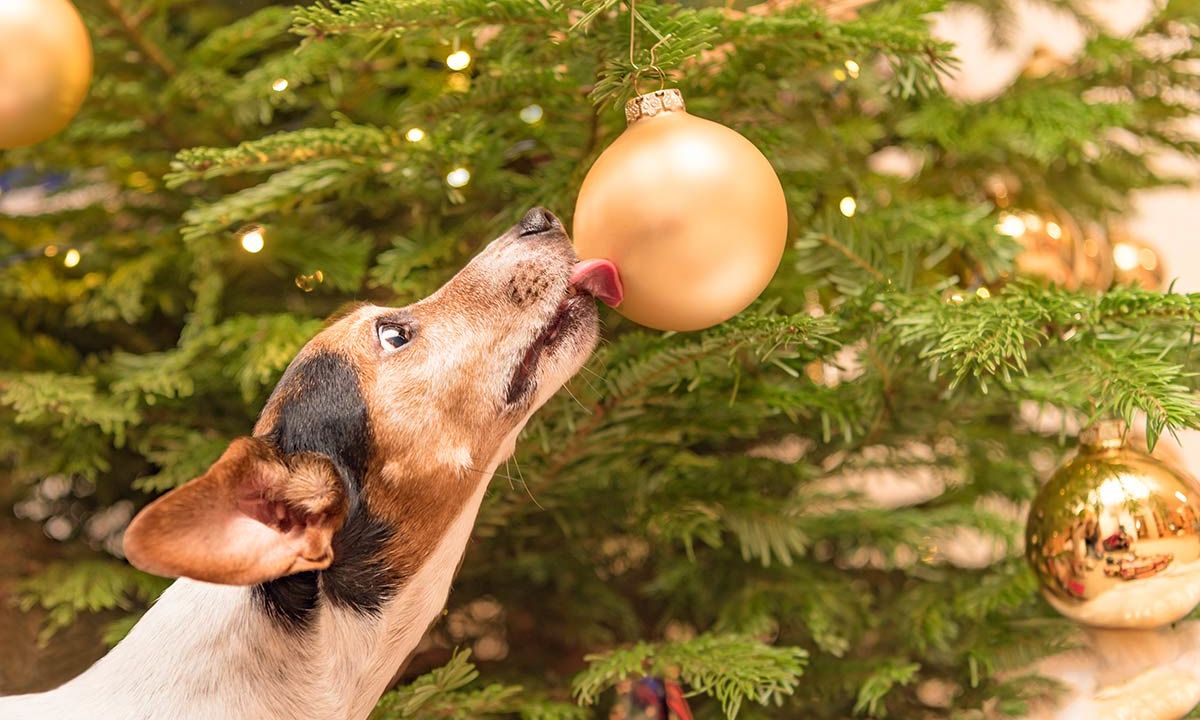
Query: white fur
pixel 208 652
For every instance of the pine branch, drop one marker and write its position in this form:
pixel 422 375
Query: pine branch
pixel 730 668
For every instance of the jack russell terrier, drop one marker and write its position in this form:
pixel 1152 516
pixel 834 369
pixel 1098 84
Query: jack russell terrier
pixel 314 554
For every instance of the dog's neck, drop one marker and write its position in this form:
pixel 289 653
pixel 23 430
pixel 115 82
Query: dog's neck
pixel 209 651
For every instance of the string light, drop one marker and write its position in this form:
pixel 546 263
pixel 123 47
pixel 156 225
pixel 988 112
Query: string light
pixel 279 85
pixel 852 68
pixel 848 206
pixel 983 293
pixel 458 177
pixel 530 114
pixel 51 250
pixel 1011 225
pixel 458 60
pixel 1125 256
pixel 1054 230
pixel 414 134
pixel 72 258
pixel 253 239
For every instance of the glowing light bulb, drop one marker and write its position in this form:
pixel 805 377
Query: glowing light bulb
pixel 72 258
pixel 51 250
pixel 983 293
pixel 1011 225
pixel 458 177
pixel 1054 230
pixel 279 85
pixel 458 60
pixel 852 68
pixel 848 206
pixel 531 114
pixel 1125 256
pixel 415 134
pixel 253 239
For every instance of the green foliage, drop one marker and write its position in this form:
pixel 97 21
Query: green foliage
pixel 731 668
pixel 443 693
pixel 65 590
pixel 720 485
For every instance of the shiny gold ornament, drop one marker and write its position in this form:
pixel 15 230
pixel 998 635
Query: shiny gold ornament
pixel 1114 536
pixel 1137 262
pixel 1057 250
pixel 45 68
pixel 690 212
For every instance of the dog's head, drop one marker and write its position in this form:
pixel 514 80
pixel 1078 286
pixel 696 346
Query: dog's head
pixel 384 424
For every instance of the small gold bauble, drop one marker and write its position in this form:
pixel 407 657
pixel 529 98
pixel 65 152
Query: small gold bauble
pixel 1055 249
pixel 690 212
pixel 1114 536
pixel 1137 262
pixel 45 68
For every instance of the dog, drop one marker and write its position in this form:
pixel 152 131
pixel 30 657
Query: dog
pixel 315 553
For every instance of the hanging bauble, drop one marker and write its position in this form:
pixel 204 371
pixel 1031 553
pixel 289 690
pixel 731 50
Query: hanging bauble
pixel 1137 262
pixel 45 68
pixel 1055 249
pixel 1114 536
pixel 690 212
pixel 650 698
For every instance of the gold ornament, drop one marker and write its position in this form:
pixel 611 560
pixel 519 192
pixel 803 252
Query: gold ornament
pixel 45 68
pixel 1137 262
pixel 690 212
pixel 1057 250
pixel 1114 536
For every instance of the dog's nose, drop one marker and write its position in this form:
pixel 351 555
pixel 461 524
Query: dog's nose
pixel 538 220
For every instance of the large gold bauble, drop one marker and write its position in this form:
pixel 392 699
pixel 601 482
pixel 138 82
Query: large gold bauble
pixel 45 68
pixel 1114 536
pixel 690 212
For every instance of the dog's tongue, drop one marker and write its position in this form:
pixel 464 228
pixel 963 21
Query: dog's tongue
pixel 600 278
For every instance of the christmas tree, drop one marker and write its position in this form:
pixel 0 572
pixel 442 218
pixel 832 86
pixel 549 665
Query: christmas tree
pixel 697 506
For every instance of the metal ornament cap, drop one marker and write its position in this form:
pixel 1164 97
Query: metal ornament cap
pixel 1114 536
pixel 655 103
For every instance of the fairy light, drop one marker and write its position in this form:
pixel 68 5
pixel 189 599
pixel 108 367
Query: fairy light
pixel 848 206
pixel 279 85
pixel 852 68
pixel 72 258
pixel 253 240
pixel 983 293
pixel 458 60
pixel 414 134
pixel 530 114
pixel 458 177
pixel 1054 230
pixel 1125 256
pixel 1011 225
pixel 50 250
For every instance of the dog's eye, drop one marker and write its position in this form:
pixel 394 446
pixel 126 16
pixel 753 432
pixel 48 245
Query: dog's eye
pixel 392 337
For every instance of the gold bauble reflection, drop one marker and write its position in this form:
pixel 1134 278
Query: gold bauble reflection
pixel 1057 250
pixel 690 212
pixel 45 68
pixel 1114 536
pixel 1137 262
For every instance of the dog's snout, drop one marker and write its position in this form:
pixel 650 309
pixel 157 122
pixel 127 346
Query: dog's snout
pixel 538 220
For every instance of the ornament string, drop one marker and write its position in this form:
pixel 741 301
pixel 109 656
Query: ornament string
pixel 635 17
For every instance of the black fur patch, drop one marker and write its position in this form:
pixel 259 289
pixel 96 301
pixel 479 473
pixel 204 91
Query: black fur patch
pixel 324 412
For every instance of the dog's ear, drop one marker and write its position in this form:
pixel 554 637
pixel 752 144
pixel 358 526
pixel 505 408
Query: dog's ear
pixel 254 516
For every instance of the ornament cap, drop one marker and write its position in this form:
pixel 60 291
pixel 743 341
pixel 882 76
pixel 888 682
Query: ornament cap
pixel 655 103
pixel 1104 434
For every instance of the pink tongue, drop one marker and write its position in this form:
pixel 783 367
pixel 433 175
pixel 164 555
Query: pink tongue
pixel 600 278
